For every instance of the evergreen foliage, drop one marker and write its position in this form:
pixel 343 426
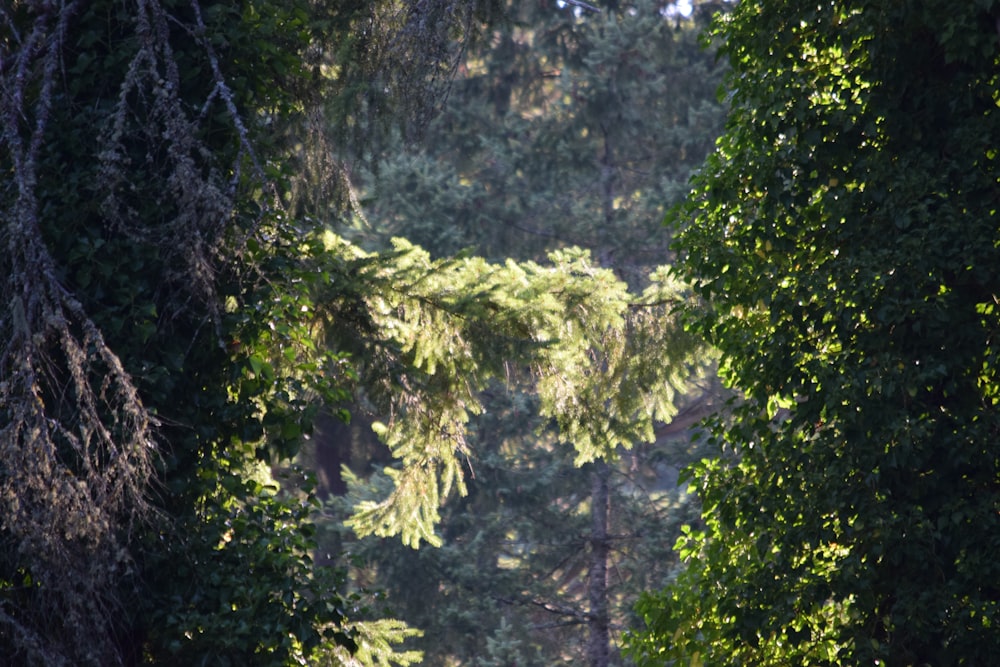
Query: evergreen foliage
pixel 566 129
pixel 174 313
pixel 519 163
pixel 157 329
pixel 510 579
pixel 436 333
pixel 844 237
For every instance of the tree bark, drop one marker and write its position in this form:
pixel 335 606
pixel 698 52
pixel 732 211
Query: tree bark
pixel 598 650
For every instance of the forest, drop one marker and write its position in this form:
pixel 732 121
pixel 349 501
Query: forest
pixel 631 333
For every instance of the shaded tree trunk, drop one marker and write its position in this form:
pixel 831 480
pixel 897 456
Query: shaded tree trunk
pixel 332 438
pixel 598 651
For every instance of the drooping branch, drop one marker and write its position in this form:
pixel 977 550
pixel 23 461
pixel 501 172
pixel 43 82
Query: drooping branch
pixel 77 442
pixel 75 439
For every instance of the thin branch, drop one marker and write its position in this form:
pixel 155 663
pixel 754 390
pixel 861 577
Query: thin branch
pixel 582 5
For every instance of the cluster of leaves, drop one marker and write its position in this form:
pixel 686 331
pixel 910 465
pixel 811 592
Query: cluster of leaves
pixel 509 583
pixel 163 312
pixel 157 339
pixel 844 239
pixel 229 576
pixel 436 333
pixel 566 130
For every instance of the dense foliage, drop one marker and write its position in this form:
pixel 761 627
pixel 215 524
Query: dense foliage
pixel 844 238
pixel 435 333
pixel 567 126
pixel 175 311
pixel 141 224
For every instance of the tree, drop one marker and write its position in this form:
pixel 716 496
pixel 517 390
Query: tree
pixel 156 326
pixel 431 336
pixel 142 227
pixel 844 240
pixel 563 128
pixel 510 581
pixel 174 314
pixel 567 129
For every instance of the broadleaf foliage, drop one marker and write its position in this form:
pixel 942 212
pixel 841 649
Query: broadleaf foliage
pixel 844 241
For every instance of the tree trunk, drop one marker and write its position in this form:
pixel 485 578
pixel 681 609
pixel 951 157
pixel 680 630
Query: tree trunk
pixel 598 652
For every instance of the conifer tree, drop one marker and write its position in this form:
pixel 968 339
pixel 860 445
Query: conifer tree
pixel 175 308
pixel 157 326
pixel 568 128
pixel 571 128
